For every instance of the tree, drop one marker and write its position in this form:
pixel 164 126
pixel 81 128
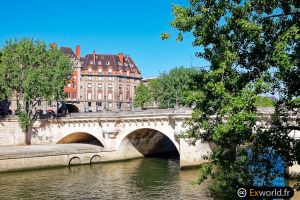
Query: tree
pixel 31 71
pixel 245 41
pixel 262 101
pixel 142 95
pixel 170 88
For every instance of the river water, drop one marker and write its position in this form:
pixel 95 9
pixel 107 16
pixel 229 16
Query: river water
pixel 147 178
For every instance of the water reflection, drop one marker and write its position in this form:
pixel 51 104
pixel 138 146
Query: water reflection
pixel 148 178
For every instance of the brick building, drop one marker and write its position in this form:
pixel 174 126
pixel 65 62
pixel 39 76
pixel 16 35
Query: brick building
pixel 101 81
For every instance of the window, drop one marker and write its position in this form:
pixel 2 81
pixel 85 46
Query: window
pixel 110 105
pixel 90 78
pixel 120 71
pixel 89 104
pixel 127 87
pixel 109 96
pixel 99 96
pixel 120 87
pixel 69 85
pixel 98 104
pixel 134 89
pixel 99 71
pixel 89 85
pixel 74 85
pixel 50 103
pixel 74 77
pixel 100 78
pixel 91 62
pixel 107 63
pixel 90 71
pixel 127 73
pixel 99 62
pixel 110 71
pixel 74 96
pixel 39 103
pixel 89 96
pixel 110 78
pixel 100 86
pixel 110 86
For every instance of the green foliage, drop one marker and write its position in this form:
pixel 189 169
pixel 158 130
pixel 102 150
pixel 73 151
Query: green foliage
pixel 32 71
pixel 264 102
pixel 24 121
pixel 244 41
pixel 172 88
pixel 142 95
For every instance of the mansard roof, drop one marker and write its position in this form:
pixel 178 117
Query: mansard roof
pixel 68 51
pixel 109 61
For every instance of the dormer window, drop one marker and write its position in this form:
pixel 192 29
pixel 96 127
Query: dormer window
pixel 107 63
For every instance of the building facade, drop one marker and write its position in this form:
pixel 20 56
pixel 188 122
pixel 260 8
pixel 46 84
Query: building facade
pixel 101 81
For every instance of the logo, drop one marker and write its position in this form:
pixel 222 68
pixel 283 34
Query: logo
pixel 266 192
pixel 242 192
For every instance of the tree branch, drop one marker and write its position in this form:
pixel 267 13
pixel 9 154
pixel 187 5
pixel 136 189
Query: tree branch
pixel 280 15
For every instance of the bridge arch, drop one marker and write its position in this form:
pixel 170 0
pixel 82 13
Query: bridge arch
pixel 149 141
pixel 80 137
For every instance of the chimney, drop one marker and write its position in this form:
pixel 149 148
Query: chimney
pixel 78 51
pixel 121 57
pixel 94 56
pixel 53 45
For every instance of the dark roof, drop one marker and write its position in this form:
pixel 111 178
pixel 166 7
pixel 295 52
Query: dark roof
pixel 109 60
pixel 68 51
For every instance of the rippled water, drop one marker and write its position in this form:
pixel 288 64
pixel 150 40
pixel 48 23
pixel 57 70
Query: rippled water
pixel 148 178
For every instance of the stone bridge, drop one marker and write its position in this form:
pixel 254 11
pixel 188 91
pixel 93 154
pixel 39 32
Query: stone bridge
pixel 127 134
pixel 130 134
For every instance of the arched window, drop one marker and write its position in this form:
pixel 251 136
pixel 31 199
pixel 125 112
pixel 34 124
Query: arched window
pixel 109 71
pixel 89 96
pixel 109 96
pixel 100 96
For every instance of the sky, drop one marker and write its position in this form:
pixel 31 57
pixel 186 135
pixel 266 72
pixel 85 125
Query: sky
pixel 132 27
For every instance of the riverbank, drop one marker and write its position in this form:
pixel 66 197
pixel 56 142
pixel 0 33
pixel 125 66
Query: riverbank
pixel 18 158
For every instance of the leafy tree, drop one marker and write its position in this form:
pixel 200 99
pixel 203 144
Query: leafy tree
pixel 244 41
pixel 264 102
pixel 170 89
pixel 31 71
pixel 142 95
pixel 155 89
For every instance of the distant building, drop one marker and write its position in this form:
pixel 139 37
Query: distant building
pixel 147 80
pixel 101 81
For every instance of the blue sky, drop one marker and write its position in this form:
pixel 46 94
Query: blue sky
pixel 132 27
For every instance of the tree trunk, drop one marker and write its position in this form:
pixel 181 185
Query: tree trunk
pixel 28 134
